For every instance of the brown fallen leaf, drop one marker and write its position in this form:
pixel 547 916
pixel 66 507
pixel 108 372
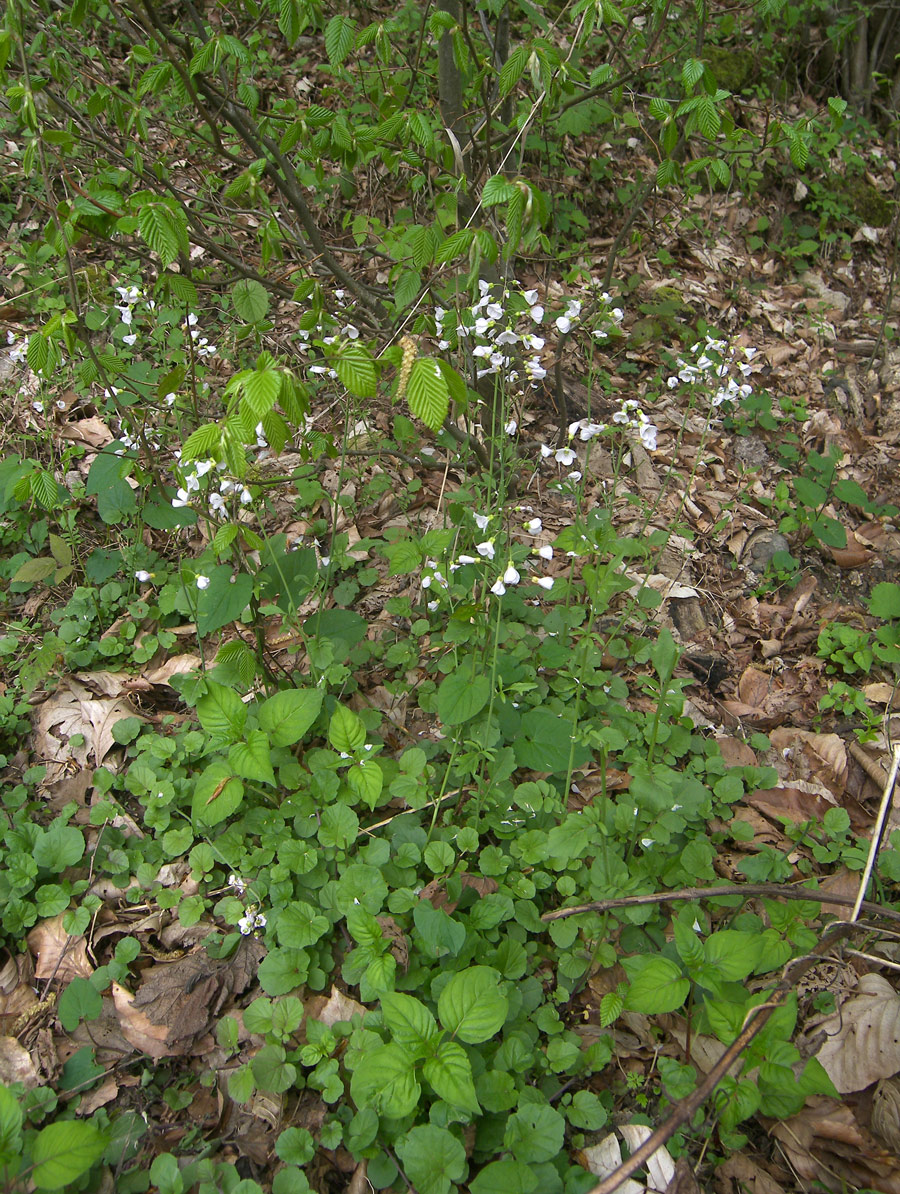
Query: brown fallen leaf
pixel 140 1032
pixel 862 1041
pixel 16 1064
pixel 17 994
pixel 825 1144
pixel 56 954
pixel 740 1174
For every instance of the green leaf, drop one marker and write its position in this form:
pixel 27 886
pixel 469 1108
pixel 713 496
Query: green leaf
pixel 252 759
pixel 497 190
pixel 809 493
pixel 159 228
pixel 222 713
pixel 427 392
pixel 300 925
pixel 505 1177
pixel 449 1073
pixel 63 1151
pixel 656 985
pixel 346 732
pixel 535 1133
pixel 544 743
pixel 385 1080
pixel 34 570
pixel 691 73
pixel 433 1159
pixel 884 601
pixel 339 37
pixel 471 1006
pixel 58 847
pixel 355 366
pixel 250 299
pixel 441 934
pixel 339 827
pixel 79 1001
pixel 513 69
pixel 462 696
pixel 455 245
pixel 365 780
pixel 10 1126
pixel 287 716
pixel 217 794
pixel 260 388
pixel 410 1022
pixel 733 955
pixel 224 600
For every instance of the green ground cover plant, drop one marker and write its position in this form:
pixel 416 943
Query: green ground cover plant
pixel 261 343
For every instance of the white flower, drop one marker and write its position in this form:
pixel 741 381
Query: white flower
pixel 169 400
pixel 563 324
pixel 481 521
pixel 546 582
pixel 511 575
pixel 535 343
pixel 467 560
pixel 252 920
pixel 646 842
pixel 565 456
pixel 216 503
pixel 246 497
pixel 545 451
pixel 648 436
pixel 506 337
pixel 143 576
pixel 537 313
pixel 38 406
pixel 535 369
pixel 498 588
pixel 534 526
pixel 125 314
pixel 546 552
pixel 511 427
pixel 494 311
pixel 202 582
pixel 191 319
pixel 575 476
pixel 530 297
pixel 351 332
pixel 486 549
pixel 182 498
pixel 237 883
pixel 18 353
pixel 202 467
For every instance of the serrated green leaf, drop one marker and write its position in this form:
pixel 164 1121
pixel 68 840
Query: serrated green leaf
pixel 385 1081
pixel 346 731
pixel 410 1022
pixel 287 716
pixel 513 69
pixel 427 393
pixel 449 1073
pixel 356 369
pixel 497 190
pixel 222 713
pixel 250 299
pixel 471 1006
pixel 340 34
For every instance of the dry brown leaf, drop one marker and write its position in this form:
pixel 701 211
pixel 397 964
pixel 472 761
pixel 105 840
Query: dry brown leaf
pixel 605 1158
pixel 140 1032
pixel 885 1122
pixel 175 665
pixel 56 954
pixel 17 995
pixel 105 1093
pixel 16 1064
pixel 740 1174
pixel 73 710
pixel 338 1008
pixel 863 1037
pixel 825 1143
pixel 91 431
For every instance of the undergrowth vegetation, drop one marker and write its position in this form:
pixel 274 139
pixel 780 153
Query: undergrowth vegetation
pixel 347 667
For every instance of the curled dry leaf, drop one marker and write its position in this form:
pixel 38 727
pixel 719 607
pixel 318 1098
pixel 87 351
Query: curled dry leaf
pixel 886 1113
pixel 605 1158
pixel 863 1038
pixel 825 1144
pixel 16 1064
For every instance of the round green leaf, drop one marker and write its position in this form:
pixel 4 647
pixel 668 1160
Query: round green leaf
pixel 250 299
pixel 64 1151
pixel 471 1006
pixel 433 1159
pixel 461 697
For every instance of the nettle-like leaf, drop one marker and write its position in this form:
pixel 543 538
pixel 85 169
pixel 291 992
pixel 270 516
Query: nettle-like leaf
pixel 356 369
pixel 427 392
pixel 164 229
pixel 691 73
pixel 497 190
pixel 471 1006
pixel 260 388
pixel 340 34
pixel 385 1080
pixel 204 443
pixel 449 1073
pixel 513 69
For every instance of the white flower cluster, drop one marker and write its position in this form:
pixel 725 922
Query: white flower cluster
pixel 202 346
pixel 218 495
pixel 253 919
pixel 506 343
pixel 18 350
pixel 629 415
pixel 435 580
pixel 716 363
